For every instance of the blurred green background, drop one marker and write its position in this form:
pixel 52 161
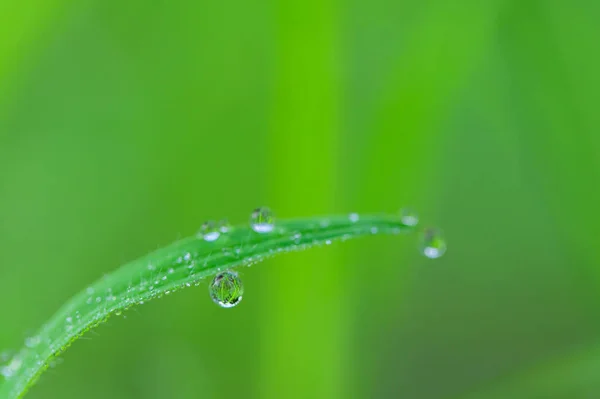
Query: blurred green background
pixel 125 124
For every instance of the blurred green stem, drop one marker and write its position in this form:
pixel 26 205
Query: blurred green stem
pixel 304 327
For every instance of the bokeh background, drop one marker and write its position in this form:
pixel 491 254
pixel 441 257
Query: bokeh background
pixel 125 124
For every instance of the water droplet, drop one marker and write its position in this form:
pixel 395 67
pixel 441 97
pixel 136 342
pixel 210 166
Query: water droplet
pixel 262 220
pixel 224 226
pixel 353 217
pixel 209 231
pixel 297 237
pixel 226 289
pixel 12 367
pixel 433 244
pixel 409 217
pixel 32 342
pixel 5 355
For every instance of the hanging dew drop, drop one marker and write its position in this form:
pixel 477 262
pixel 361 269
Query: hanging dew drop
pixel 432 243
pixel 209 231
pixel 262 220
pixel 409 217
pixel 226 289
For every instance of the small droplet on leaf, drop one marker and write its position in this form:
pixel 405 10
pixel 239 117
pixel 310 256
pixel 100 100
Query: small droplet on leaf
pixel 209 231
pixel 5 355
pixel 32 342
pixel 224 226
pixel 11 368
pixel 297 237
pixel 409 217
pixel 262 220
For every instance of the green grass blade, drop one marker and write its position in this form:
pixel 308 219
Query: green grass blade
pixel 179 265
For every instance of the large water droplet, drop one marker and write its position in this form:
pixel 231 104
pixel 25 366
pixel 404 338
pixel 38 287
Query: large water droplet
pixel 226 289
pixel 409 217
pixel 432 242
pixel 209 231
pixel 262 220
